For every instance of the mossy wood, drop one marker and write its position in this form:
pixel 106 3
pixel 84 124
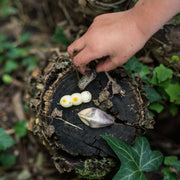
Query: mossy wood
pixel 72 143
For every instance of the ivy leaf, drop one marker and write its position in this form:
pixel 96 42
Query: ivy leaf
pixel 161 74
pixel 15 53
pixel 168 160
pixel 6 141
pixel 60 37
pixel 24 37
pixel 172 161
pixel 173 90
pixel 176 165
pixel 133 65
pixel 168 174
pixel 21 128
pixel 152 94
pixel 156 107
pixel 10 65
pixel 135 159
pixel 7 160
pixel 173 109
pixel 30 62
pixel 7 10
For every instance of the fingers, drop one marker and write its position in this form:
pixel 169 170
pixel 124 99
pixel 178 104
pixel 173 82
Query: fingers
pixel 76 47
pixel 83 58
pixel 107 64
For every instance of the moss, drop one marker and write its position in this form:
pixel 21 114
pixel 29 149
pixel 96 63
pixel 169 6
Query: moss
pixel 96 169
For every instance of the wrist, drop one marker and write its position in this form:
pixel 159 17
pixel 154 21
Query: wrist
pixel 151 15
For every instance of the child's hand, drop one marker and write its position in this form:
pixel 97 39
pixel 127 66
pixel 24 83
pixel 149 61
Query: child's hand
pixel 114 36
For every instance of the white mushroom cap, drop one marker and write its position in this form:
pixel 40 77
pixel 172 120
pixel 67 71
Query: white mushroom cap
pixel 66 101
pixel 86 96
pixel 76 99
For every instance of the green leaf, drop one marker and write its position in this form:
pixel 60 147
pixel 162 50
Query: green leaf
pixel 30 62
pixel 174 58
pixel 21 128
pixel 133 65
pixel 60 37
pixel 135 159
pixel 5 45
pixel 6 141
pixel 7 10
pixel 172 161
pixel 156 107
pixel 2 58
pixel 148 160
pixel 152 94
pixel 7 79
pixel 173 90
pixel 10 65
pixel 168 160
pixel 176 165
pixel 7 160
pixel 161 74
pixel 25 37
pixel 15 53
pixel 168 174
pixel 173 109
pixel 2 37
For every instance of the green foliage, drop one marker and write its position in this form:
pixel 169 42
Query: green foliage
pixel 6 141
pixel 7 160
pixel 173 90
pixel 173 162
pixel 60 37
pixel 134 159
pixel 177 17
pixel 152 94
pixel 6 9
pixel 162 85
pixel 7 79
pixel 173 109
pixel 134 66
pixel 168 174
pixel 13 57
pixel 10 65
pixel 21 128
pixel 174 58
pixel 161 74
pixel 15 53
pixel 156 107
pixel 29 62
pixel 26 36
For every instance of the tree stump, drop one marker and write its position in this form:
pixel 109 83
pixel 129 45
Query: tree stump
pixel 76 146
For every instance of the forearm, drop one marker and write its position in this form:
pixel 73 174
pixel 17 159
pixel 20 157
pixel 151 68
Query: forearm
pixel 151 15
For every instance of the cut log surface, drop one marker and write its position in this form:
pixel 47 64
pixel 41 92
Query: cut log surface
pixel 69 140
